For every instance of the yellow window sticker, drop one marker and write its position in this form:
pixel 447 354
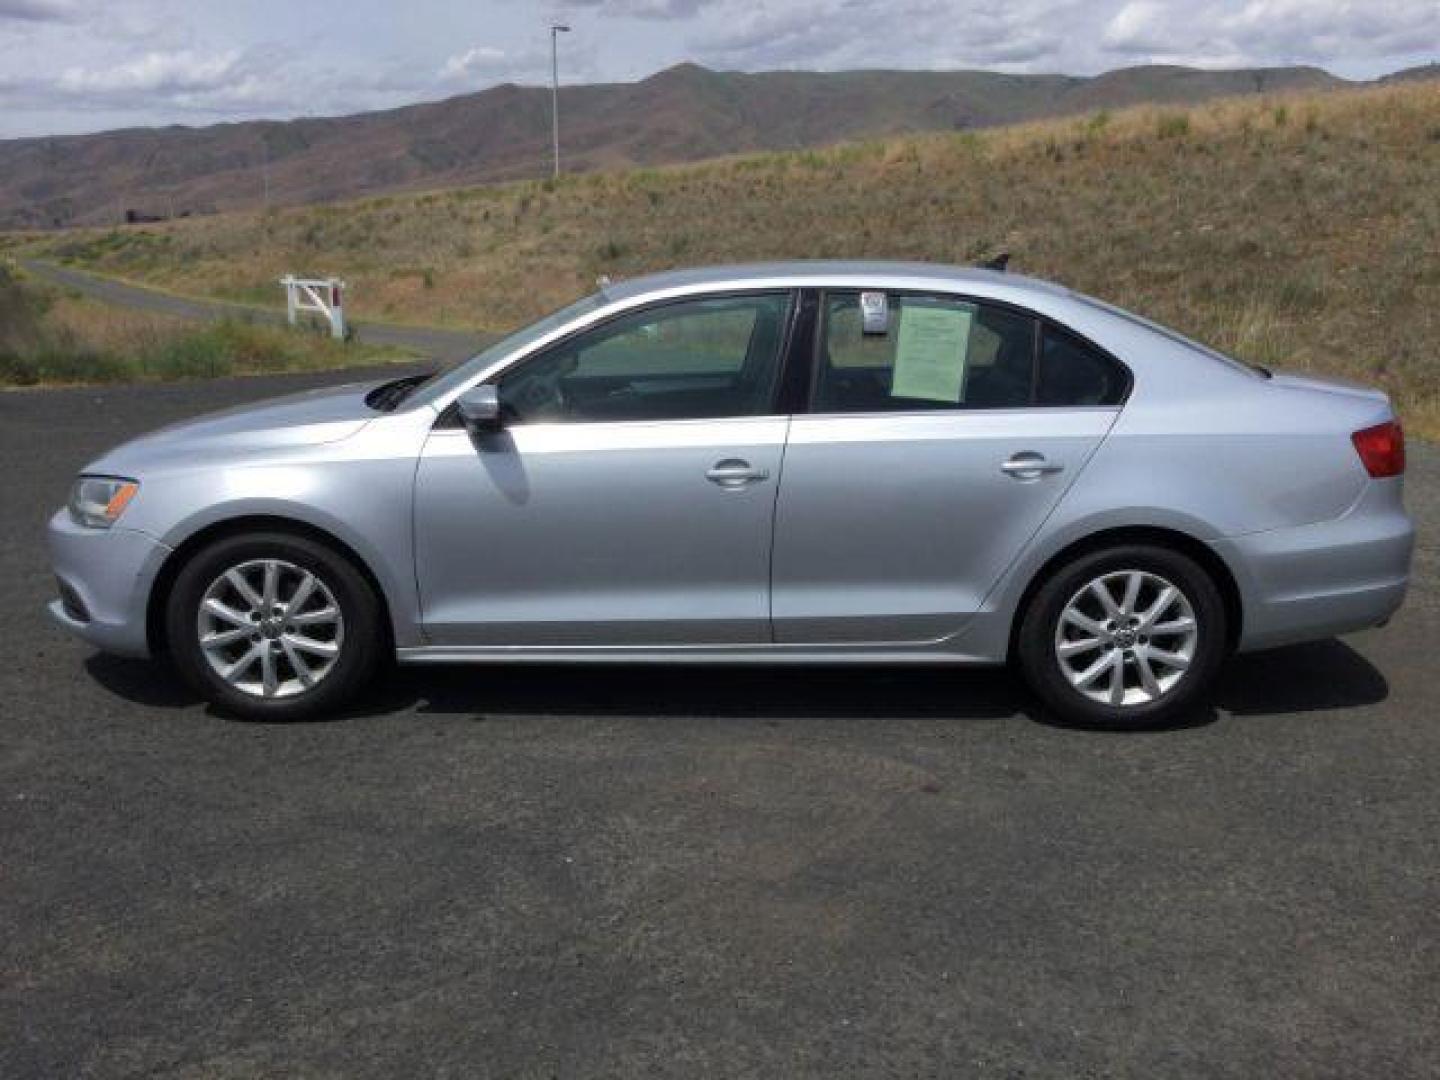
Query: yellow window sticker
pixel 930 353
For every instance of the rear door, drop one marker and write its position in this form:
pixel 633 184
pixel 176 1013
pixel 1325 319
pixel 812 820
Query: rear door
pixel 933 450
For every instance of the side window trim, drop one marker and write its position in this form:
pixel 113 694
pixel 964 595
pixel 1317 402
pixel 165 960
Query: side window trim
pixel 798 370
pixel 1037 350
pixel 817 348
pixel 1041 321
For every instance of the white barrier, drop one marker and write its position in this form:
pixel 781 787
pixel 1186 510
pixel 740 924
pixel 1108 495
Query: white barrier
pixel 323 296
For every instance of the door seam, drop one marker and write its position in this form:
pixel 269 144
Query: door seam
pixel 774 526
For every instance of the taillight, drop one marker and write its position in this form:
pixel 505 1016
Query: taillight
pixel 1381 448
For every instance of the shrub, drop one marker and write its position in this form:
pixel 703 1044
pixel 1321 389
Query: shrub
pixel 611 250
pixel 1172 126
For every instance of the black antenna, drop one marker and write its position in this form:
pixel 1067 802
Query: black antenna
pixel 998 263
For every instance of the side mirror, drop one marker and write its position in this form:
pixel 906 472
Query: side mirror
pixel 479 409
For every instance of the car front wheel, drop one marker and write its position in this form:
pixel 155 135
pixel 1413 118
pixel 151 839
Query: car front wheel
pixel 1126 637
pixel 273 626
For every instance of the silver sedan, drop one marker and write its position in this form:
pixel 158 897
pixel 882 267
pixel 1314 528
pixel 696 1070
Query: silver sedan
pixel 801 463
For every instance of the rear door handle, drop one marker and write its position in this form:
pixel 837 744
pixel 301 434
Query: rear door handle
pixel 1029 465
pixel 734 473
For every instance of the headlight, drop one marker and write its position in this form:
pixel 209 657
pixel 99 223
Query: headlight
pixel 98 501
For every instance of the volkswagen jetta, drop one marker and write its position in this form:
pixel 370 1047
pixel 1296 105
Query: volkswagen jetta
pixel 858 463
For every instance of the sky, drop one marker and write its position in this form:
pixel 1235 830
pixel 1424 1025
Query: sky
pixel 69 66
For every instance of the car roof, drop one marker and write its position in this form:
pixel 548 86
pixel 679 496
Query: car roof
pixel 873 273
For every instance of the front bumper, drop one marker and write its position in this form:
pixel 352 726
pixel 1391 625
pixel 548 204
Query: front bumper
pixel 105 577
pixel 1315 581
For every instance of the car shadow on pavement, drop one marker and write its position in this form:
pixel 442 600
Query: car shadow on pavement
pixel 1297 679
pixel 141 682
pixel 704 691
pixel 638 690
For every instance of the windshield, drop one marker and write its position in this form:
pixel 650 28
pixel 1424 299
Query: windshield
pixel 461 373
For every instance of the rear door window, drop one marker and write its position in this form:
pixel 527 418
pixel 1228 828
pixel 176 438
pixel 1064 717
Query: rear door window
pixel 934 353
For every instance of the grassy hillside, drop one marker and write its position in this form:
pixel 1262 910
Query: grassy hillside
pixel 685 113
pixel 1299 231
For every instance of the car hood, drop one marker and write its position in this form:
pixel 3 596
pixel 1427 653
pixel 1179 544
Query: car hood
pixel 309 418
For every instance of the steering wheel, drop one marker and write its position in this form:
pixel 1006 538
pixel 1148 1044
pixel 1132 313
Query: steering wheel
pixel 540 393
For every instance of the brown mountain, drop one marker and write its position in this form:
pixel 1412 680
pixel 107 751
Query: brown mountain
pixel 681 114
pixel 1414 74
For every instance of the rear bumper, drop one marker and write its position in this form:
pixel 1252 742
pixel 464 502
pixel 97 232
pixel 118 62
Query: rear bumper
pixel 1315 581
pixel 104 576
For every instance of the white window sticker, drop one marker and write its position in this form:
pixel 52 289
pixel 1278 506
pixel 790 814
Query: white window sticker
pixel 931 352
pixel 874 313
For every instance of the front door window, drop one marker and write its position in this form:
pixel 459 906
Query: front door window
pixel 685 360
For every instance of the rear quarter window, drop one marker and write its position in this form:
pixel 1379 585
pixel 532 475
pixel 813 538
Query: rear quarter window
pixel 1074 373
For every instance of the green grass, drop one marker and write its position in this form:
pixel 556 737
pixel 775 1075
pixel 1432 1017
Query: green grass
pixel 50 338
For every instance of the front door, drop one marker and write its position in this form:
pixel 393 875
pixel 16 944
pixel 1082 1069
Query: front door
pixel 629 499
pixel 936 445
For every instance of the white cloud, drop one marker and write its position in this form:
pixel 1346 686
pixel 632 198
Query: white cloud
pixel 482 58
pixel 71 65
pixel 1139 27
pixel 1274 31
pixel 37 10
pixel 1021 34
pixel 640 9
pixel 210 86
pixel 487 63
pixel 1324 28
pixel 154 73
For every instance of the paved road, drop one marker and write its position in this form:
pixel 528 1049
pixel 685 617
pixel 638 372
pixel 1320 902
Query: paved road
pixel 544 872
pixel 449 345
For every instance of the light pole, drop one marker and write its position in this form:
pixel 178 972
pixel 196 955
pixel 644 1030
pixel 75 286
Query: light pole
pixel 556 29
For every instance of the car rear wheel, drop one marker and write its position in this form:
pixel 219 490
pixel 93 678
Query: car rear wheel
pixel 273 626
pixel 1126 637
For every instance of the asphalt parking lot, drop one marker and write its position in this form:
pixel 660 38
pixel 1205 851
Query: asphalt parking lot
pixel 544 872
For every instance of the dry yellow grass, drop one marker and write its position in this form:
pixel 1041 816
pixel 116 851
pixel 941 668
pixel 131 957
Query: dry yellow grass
pixel 50 337
pixel 1300 232
pixel 95 326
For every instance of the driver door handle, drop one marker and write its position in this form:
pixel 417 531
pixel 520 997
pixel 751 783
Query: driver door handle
pixel 1030 466
pixel 733 473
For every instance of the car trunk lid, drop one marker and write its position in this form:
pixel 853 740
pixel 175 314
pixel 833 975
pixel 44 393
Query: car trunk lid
pixel 1329 384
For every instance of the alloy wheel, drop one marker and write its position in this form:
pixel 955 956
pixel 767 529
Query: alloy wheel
pixel 1126 638
pixel 270 629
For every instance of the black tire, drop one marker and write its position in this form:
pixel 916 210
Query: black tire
pixel 360 652
pixel 1040 665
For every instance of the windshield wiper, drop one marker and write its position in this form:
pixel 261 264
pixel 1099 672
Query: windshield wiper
pixel 387 396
